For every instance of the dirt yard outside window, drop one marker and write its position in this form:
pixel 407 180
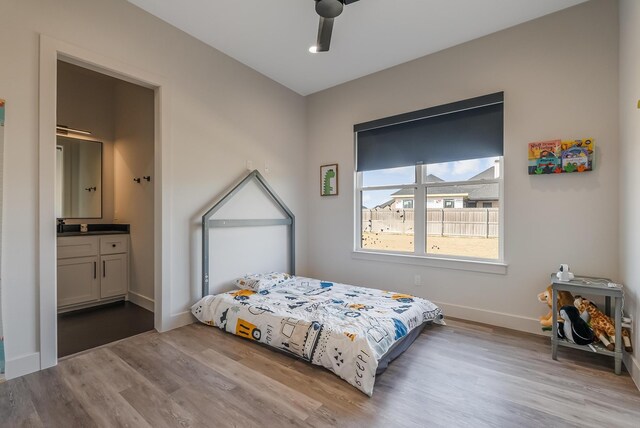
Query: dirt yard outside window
pixel 485 248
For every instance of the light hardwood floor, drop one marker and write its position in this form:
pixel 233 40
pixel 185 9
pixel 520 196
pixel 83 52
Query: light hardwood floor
pixel 460 375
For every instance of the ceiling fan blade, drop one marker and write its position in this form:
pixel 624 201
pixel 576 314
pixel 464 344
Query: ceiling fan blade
pixel 346 2
pixel 325 28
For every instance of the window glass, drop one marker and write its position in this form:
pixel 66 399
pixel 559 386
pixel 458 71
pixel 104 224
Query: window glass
pixel 466 170
pixel 387 223
pixel 391 176
pixel 455 227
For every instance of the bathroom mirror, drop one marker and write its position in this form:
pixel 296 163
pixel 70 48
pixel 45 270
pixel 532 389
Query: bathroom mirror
pixel 78 178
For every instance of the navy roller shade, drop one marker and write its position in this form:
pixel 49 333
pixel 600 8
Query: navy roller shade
pixel 468 129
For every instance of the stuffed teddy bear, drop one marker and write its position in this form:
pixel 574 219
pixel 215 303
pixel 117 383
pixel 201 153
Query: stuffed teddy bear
pixel 564 299
pixel 573 327
pixel 603 327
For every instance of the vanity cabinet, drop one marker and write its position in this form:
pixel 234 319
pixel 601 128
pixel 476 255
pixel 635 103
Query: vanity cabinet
pixel 78 281
pixel 115 272
pixel 92 270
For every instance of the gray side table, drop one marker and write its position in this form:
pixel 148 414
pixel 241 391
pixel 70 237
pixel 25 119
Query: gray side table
pixel 587 286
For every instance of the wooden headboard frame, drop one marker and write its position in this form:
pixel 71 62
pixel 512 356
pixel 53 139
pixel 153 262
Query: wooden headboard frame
pixel 208 223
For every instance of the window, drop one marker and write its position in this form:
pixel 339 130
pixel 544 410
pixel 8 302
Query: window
pixel 387 201
pixel 430 206
pixel 452 225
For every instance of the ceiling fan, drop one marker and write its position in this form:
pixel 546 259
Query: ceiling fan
pixel 328 10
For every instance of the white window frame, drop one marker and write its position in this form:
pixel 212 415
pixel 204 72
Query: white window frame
pixel 420 256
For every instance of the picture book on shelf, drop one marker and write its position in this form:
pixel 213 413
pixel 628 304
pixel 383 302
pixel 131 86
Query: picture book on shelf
pixel 558 157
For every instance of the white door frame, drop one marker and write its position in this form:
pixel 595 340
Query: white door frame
pixel 50 51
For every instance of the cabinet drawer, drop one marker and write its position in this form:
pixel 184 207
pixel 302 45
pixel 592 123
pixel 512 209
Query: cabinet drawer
pixel 77 246
pixel 114 244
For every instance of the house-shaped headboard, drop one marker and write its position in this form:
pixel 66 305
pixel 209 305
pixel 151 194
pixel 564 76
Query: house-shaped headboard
pixel 208 222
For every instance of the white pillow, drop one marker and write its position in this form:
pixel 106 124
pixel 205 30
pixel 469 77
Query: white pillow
pixel 263 281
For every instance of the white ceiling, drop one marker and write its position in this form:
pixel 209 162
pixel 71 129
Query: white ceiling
pixel 273 36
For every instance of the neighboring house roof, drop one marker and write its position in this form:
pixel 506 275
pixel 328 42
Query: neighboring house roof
pixel 473 192
pixel 487 174
pixel 386 204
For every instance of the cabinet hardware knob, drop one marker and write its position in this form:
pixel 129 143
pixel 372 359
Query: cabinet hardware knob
pixel 113 245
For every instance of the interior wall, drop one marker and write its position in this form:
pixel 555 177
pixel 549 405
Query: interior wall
pixel 2 115
pixel 559 74
pixel 133 158
pixel 629 172
pixel 221 114
pixel 86 101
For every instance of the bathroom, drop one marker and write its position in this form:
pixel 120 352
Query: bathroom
pixel 104 207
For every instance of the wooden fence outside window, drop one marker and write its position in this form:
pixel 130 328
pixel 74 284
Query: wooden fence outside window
pixel 462 222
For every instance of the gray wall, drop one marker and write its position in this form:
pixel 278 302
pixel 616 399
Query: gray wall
pixel 629 171
pixel 221 114
pixel 560 78
pixel 2 356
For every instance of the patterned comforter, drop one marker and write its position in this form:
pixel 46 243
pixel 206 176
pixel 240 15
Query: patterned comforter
pixel 343 328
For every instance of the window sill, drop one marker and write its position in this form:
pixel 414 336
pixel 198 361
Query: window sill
pixel 497 268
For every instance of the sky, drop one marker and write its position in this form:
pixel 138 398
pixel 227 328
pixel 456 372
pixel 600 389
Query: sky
pixel 449 171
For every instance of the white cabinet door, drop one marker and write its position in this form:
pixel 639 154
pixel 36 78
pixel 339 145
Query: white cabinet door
pixel 78 280
pixel 115 275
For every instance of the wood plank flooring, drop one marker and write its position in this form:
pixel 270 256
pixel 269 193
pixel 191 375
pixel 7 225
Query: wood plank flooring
pixel 463 375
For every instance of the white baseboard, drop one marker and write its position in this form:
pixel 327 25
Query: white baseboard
pixel 500 319
pixel 22 365
pixel 633 366
pixel 142 301
pixel 178 320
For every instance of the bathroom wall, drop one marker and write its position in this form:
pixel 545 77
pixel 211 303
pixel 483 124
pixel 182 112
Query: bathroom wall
pixel 121 116
pixel 133 157
pixel 86 101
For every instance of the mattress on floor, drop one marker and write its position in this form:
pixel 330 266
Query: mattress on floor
pixel 347 329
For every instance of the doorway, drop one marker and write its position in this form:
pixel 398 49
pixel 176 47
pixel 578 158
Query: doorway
pixel 52 50
pixel 104 204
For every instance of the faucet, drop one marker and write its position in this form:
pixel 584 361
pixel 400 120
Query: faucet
pixel 60 225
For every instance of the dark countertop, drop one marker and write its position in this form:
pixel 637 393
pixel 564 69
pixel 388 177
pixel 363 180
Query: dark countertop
pixel 94 229
pixel 93 233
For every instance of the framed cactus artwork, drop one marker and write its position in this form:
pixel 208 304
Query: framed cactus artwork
pixel 329 180
pixel 559 156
